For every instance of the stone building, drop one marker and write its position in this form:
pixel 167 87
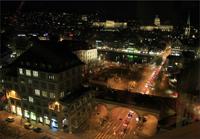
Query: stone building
pixel 157 25
pixel 44 84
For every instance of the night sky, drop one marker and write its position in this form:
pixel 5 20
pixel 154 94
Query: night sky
pixel 166 10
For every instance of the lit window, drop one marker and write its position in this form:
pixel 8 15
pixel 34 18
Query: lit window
pixel 37 92
pixel 44 93
pixel 28 72
pixel 21 71
pixel 51 77
pixel 35 73
pixel 29 81
pixel 31 99
pixel 62 94
pixel 52 95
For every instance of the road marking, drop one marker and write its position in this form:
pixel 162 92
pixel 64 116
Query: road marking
pixel 108 126
pixel 109 136
pixel 123 111
pixel 124 135
pixel 97 135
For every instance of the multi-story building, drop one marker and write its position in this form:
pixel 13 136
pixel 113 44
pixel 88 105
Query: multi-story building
pixel 84 52
pixel 157 25
pixel 110 24
pixel 44 84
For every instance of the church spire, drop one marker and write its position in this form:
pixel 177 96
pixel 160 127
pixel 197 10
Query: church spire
pixel 187 29
pixel 188 21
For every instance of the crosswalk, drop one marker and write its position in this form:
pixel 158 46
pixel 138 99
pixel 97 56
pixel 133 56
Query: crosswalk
pixel 102 136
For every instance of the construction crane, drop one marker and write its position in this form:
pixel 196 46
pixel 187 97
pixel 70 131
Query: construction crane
pixel 17 12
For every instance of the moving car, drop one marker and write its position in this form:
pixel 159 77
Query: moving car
pixel 125 123
pixel 129 116
pixel 28 126
pixel 10 119
pixel 37 129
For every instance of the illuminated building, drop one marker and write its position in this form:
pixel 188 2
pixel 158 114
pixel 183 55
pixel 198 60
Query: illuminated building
pixel 157 25
pixel 45 85
pixel 187 29
pixel 110 24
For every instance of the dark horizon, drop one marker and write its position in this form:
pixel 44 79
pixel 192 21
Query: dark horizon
pixel 172 10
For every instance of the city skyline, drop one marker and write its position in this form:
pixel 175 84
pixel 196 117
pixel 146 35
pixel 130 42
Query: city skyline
pixel 171 11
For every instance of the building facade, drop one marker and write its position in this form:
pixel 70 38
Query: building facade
pixel 157 25
pixel 47 88
pixel 110 24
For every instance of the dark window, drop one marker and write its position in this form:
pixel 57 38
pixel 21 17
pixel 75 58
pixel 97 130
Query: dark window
pixel 42 75
pixel 44 86
pixel 30 90
pixel 37 101
pixel 42 65
pixel 73 80
pixel 79 69
pixel 67 73
pixel 68 83
pixel 61 76
pixel 5 78
pixel 61 86
pixel 36 83
pixel 51 87
pixel 28 63
pixel 45 103
pixel 15 79
pixel 10 85
pixel 23 89
pixel 73 71
pixel 49 66
pixel 16 87
pixel 9 78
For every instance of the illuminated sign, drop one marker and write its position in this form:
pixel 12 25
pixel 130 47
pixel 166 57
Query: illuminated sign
pixel 71 35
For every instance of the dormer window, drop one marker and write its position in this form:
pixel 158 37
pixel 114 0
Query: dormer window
pixel 28 63
pixel 42 65
pixel 49 66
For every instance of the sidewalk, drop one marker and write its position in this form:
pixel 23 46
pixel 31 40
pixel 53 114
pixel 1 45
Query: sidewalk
pixel 52 132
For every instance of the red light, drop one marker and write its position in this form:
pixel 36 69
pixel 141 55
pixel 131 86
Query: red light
pixel 176 94
pixel 70 35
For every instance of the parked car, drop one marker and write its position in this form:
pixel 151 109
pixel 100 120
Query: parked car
pixel 9 119
pixel 28 126
pixel 37 129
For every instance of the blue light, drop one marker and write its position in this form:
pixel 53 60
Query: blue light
pixel 46 33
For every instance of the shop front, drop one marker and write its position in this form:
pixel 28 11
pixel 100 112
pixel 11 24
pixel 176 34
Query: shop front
pixel 33 116
pixel 40 120
pixel 19 111
pixel 13 109
pixel 54 123
pixel 26 114
pixel 46 121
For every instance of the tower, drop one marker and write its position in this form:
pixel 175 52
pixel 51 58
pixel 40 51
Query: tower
pixel 187 29
pixel 157 21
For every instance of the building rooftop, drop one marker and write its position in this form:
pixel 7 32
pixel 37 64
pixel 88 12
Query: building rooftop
pixel 47 56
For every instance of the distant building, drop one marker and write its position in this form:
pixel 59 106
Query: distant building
pixel 110 24
pixel 187 29
pixel 157 25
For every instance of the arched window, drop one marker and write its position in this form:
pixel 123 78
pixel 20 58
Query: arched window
pixel 25 105
pixel 46 112
pixel 39 110
pixel 31 107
